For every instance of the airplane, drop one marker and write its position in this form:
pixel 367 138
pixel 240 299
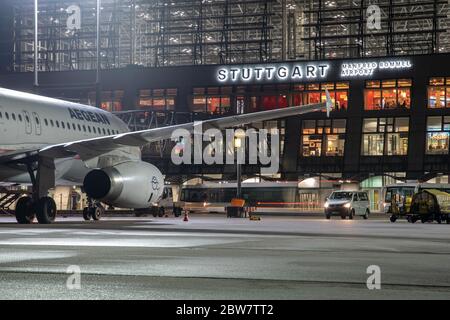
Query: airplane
pixel 44 140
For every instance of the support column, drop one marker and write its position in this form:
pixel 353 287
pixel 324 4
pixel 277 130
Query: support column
pixel 417 127
pixel 291 149
pixel 284 31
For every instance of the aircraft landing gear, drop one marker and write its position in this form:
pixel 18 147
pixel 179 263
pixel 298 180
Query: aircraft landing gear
pixel 46 210
pixel 86 214
pixel 39 204
pixel 93 211
pixel 25 212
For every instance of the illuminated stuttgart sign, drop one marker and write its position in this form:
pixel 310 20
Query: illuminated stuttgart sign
pixel 367 69
pixel 307 71
pixel 293 72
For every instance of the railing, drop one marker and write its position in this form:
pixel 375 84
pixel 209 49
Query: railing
pixel 138 120
pixel 8 197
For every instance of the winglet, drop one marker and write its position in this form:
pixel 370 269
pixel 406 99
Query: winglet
pixel 329 103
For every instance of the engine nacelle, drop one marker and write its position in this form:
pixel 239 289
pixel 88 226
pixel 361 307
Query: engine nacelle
pixel 133 184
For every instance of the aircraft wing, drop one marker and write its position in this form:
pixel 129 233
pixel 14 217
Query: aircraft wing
pixel 17 155
pixel 91 148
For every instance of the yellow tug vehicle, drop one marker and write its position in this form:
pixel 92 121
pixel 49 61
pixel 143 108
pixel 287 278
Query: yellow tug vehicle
pixel 427 205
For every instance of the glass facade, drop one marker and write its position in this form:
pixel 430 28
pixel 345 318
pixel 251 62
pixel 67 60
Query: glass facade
pixel 323 138
pixel 438 132
pixel 385 137
pixel 387 94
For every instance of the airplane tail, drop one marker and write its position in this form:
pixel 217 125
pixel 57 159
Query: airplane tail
pixel 329 103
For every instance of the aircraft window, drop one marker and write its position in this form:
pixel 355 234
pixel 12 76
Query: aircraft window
pixel 37 120
pixel 57 124
pixel 109 132
pixel 68 125
pixel 20 118
pixel 89 128
pixel 63 125
pixel 7 115
pixel 84 128
pixel 13 116
pixel 46 122
pixel 51 122
pixel 79 128
pixel 27 118
pixel 74 126
pixel 104 131
pixel 1 115
pixel 93 130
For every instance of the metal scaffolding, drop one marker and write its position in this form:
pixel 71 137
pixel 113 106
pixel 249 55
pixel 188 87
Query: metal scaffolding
pixel 339 28
pixel 208 32
pixel 195 32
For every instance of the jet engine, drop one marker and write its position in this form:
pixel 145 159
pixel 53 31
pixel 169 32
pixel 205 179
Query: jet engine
pixel 132 184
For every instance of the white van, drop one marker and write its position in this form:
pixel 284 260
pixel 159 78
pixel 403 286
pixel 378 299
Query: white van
pixel 347 204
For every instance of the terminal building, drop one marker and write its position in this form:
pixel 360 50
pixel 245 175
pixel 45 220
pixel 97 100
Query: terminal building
pixel 164 63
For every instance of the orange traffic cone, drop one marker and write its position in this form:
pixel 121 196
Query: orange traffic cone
pixel 186 218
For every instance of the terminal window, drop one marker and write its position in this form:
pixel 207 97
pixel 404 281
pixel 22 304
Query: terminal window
pixel 315 93
pixel 323 138
pixel 211 150
pixel 158 99
pixel 271 97
pixel 439 93
pixel 281 126
pixel 212 100
pixel 387 94
pixel 385 136
pixel 111 100
pixel 438 131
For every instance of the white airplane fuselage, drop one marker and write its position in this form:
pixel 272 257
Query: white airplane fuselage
pixel 29 122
